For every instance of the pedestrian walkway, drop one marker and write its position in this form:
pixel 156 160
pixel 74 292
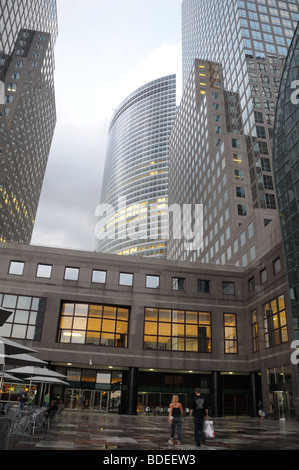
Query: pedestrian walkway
pixel 110 432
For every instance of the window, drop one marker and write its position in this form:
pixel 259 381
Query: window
pixel 240 191
pixel 26 319
pixel 98 277
pixel 251 284
pixel 94 324
pixel 71 274
pixel 277 266
pixel 178 283
pixel 203 286
pixel 270 201
pixel 239 176
pixel 236 143
pixel 237 158
pixel 44 270
pixel 263 276
pixel 261 133
pixel 242 210
pixel 177 330
pixel 152 282
pixel 230 333
pixel 275 322
pixel 254 326
pixel 125 279
pixel 228 288
pixel 16 267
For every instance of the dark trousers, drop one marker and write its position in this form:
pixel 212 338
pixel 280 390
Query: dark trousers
pixel 176 422
pixel 198 430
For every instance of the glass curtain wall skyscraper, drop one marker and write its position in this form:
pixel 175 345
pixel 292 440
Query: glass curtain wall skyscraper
pixel 286 172
pixel 249 40
pixel 27 112
pixel 133 208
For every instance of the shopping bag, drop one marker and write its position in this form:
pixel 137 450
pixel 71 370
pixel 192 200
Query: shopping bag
pixel 209 428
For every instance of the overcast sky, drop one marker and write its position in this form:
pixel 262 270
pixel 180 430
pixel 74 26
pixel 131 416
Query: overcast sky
pixel 105 50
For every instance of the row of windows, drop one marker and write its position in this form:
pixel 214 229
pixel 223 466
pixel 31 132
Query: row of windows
pixel 151 281
pixel 125 279
pixel 164 329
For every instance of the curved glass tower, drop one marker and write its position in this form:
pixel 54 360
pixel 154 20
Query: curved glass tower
pixel 133 218
pixel 286 171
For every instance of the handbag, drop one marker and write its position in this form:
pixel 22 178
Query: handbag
pixel 209 429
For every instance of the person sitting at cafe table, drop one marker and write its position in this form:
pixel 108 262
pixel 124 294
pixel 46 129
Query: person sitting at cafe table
pixel 51 408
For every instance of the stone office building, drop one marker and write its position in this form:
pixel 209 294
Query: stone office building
pixel 130 332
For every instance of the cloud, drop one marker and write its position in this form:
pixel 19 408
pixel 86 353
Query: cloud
pixel 166 60
pixel 72 185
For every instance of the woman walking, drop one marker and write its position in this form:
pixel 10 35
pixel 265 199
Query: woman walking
pixel 175 417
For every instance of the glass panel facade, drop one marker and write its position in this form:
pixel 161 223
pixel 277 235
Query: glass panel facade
pixel 286 171
pixel 177 330
pixel 230 334
pixel 275 322
pixel 26 319
pixel 135 181
pixel 100 325
pixel 28 35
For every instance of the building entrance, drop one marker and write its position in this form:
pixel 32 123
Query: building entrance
pixel 87 400
pixel 282 405
pixel 158 403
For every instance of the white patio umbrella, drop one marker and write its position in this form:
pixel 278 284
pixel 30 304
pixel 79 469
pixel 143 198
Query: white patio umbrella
pixel 4 315
pixel 7 346
pixel 13 353
pixel 32 371
pixel 22 359
pixel 11 378
pixel 46 381
pixel 38 371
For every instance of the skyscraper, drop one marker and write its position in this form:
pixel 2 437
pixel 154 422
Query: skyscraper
pixel 229 148
pixel 286 172
pixel 28 114
pixel 135 180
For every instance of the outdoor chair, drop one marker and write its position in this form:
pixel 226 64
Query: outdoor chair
pixel 7 407
pixel 37 422
pixel 52 418
pixel 59 413
pixel 12 415
pixel 21 428
pixel 32 408
pixel 5 425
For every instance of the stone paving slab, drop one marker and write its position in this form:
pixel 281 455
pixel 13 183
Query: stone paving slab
pixel 111 432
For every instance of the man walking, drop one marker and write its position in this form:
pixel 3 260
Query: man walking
pixel 199 411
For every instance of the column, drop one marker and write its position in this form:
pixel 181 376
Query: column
pixel 253 395
pixel 216 407
pixel 132 391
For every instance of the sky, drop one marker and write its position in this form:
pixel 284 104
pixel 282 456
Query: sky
pixel 105 50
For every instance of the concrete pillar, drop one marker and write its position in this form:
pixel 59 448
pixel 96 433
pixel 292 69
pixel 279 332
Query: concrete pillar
pixel 253 395
pixel 216 397
pixel 132 391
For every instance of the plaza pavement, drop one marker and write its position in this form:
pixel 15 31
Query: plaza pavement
pixel 112 432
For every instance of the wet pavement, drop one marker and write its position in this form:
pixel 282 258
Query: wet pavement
pixel 112 433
